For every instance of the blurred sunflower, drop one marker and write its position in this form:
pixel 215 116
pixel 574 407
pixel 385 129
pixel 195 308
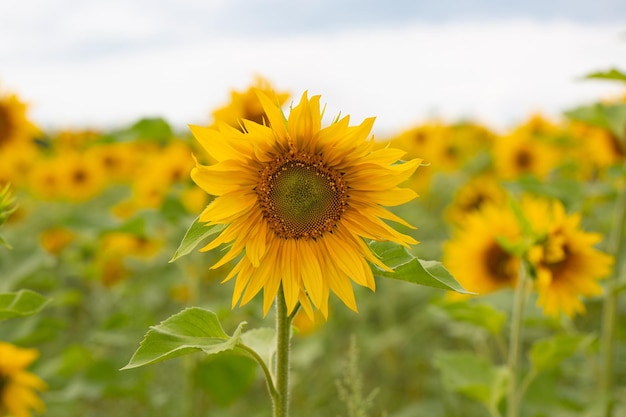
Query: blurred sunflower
pixel 567 265
pixel 518 154
pixel 298 200
pixel 117 160
pixel 45 179
pixel 18 386
pixel 246 105
pixel 596 146
pixel 473 195
pixel 15 127
pixel 475 256
pixel 80 177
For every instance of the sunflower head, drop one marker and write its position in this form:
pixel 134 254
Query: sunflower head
pixel 17 385
pixel 15 127
pixel 298 201
pixel 245 105
pixel 476 255
pixel 567 265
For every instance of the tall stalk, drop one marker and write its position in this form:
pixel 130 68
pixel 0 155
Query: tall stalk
pixel 515 341
pixel 283 341
pixel 609 313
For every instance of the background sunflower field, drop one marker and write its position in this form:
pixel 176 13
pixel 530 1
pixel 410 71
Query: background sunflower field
pixel 90 218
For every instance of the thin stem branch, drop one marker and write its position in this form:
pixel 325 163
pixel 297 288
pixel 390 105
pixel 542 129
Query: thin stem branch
pixel 283 341
pixel 515 340
pixel 266 372
pixel 614 247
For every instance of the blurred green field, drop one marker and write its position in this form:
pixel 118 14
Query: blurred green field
pixel 99 214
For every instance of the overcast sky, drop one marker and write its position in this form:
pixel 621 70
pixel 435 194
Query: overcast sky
pixel 106 63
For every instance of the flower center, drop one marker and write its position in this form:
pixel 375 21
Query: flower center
pixel 500 264
pixel 301 198
pixel 6 126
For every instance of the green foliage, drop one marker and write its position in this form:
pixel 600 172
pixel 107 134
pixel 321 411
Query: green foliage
pixel 191 330
pixel 612 75
pixel 407 267
pixel 479 314
pixel 350 386
pixel 21 304
pixel 197 233
pixel 550 352
pixel 606 116
pixel 154 129
pixel 225 377
pixel 473 377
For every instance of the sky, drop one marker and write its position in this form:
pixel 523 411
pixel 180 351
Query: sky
pixel 89 63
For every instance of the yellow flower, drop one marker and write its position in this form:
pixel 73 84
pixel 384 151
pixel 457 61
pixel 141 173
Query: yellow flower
pixel 473 195
pixel 117 160
pixel 298 200
pixel 568 266
pixel 45 179
pixel 246 106
pixel 81 178
pixel 15 127
pixel 596 146
pixel 115 248
pixel 55 239
pixel 519 154
pixel 475 256
pixel 18 386
pixel 17 160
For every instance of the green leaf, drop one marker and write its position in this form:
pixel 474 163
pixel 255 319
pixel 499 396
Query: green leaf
pixel 409 268
pixel 225 377
pixel 151 129
pixel 549 353
pixel 192 330
pixel 472 376
pixel 612 74
pixel 479 314
pixel 608 116
pixel 21 303
pixel 196 233
pixel 262 341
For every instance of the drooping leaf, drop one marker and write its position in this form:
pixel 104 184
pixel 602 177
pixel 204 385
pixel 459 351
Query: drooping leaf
pixel 549 353
pixel 472 376
pixel 196 234
pixel 21 303
pixel 193 329
pixel 407 267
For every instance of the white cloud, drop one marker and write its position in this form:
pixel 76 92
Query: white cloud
pixel 495 72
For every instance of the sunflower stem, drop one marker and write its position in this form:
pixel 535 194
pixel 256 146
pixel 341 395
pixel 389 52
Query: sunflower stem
pixel 515 340
pixel 615 243
pixel 283 341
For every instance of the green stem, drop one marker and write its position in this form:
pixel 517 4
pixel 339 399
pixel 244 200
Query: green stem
pixel 283 340
pixel 266 372
pixel 614 247
pixel 515 340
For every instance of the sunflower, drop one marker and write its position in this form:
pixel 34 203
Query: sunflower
pixel 244 105
pixel 17 386
pixel 15 127
pixel 298 200
pixel 520 154
pixel 475 255
pixel 474 194
pixel 81 178
pixel 567 265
